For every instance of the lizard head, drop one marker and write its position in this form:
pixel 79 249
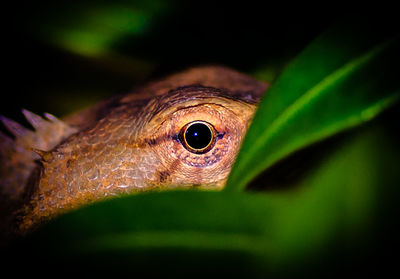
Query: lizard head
pixel 182 132
pixel 194 137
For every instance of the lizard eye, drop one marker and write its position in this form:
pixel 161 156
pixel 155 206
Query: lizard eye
pixel 198 137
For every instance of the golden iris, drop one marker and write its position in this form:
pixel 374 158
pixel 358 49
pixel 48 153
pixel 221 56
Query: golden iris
pixel 198 136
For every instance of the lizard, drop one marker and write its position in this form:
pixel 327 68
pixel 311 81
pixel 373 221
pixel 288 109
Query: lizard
pixel 182 131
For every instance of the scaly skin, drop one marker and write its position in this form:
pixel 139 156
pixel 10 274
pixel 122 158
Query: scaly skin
pixel 130 143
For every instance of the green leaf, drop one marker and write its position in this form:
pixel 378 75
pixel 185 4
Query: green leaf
pixel 345 77
pixel 96 29
pixel 335 213
pixel 325 216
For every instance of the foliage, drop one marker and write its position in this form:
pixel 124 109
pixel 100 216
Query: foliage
pixel 312 189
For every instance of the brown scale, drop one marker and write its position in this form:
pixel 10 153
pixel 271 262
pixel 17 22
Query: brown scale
pixel 129 144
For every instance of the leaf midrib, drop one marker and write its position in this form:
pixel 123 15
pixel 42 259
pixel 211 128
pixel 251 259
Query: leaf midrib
pixel 303 101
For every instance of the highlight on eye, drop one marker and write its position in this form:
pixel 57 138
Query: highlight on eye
pixel 198 136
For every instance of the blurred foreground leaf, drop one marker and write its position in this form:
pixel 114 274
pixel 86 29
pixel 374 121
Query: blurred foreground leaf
pixel 342 79
pixel 332 213
pixel 333 218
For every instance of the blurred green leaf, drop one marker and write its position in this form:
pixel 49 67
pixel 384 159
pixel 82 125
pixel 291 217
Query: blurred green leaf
pixel 94 29
pixel 336 204
pixel 326 218
pixel 342 79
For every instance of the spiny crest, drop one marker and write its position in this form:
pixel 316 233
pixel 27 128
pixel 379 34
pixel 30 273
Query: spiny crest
pixel 18 155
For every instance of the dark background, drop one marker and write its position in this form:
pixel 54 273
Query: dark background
pixel 43 77
pixel 259 39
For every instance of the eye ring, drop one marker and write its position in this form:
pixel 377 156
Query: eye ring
pixel 198 136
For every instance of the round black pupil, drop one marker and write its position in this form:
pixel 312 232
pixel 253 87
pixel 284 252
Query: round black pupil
pixel 198 136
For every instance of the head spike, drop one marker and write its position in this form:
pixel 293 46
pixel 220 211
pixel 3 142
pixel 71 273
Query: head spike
pixel 14 128
pixel 51 117
pixel 46 156
pixel 35 120
pixel 60 124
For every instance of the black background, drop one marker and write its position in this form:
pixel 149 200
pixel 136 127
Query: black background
pixel 41 77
